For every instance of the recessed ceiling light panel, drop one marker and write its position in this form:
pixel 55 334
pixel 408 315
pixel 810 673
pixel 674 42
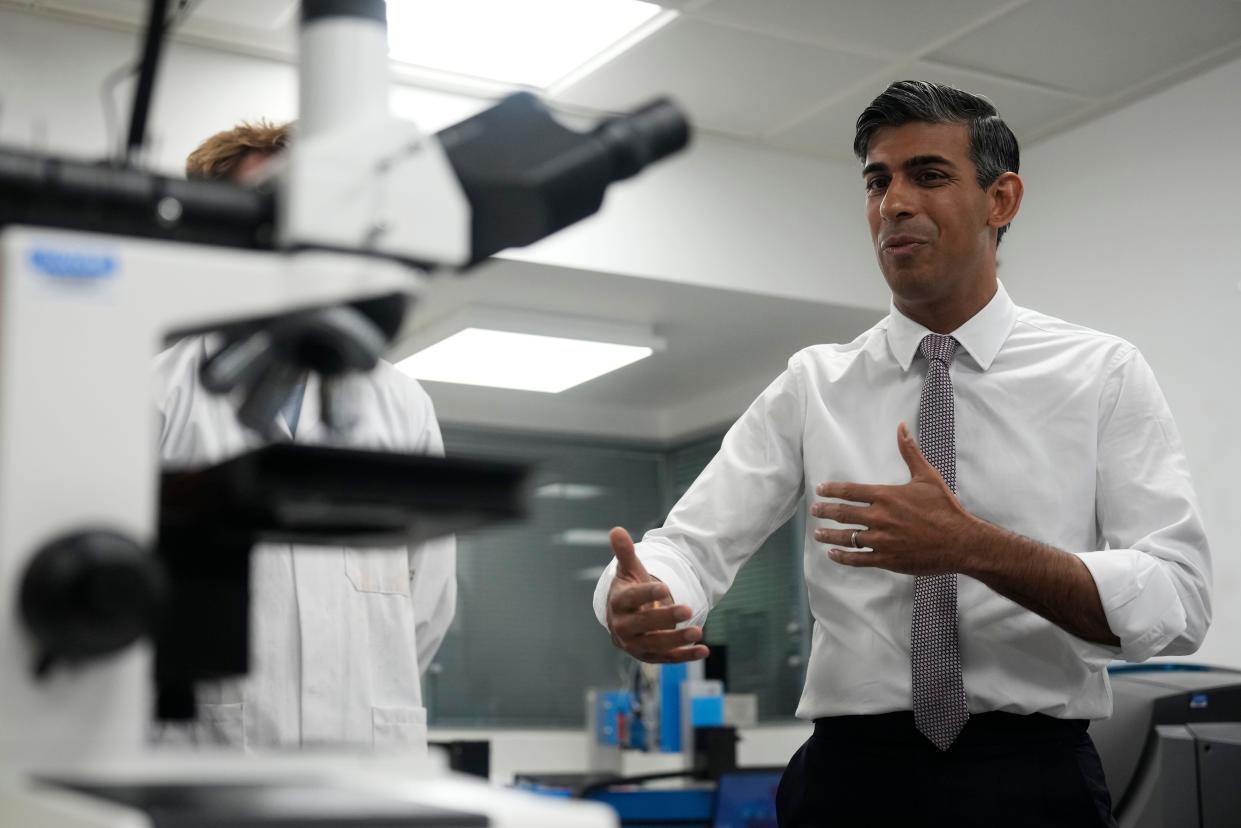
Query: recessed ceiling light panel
pixel 525 350
pixel 529 43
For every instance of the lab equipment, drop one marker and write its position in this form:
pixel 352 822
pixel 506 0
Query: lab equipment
pixel 747 798
pixel 741 798
pixel 1171 750
pixel 664 708
pixel 669 708
pixel 112 606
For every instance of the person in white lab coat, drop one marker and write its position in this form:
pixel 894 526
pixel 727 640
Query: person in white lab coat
pixel 339 637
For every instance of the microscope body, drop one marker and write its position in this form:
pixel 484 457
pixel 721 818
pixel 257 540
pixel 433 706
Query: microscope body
pixel 81 316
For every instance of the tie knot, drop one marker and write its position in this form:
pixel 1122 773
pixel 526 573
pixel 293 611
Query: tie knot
pixel 940 347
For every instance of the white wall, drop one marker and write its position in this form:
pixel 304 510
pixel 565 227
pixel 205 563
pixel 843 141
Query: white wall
pixel 734 216
pixel 51 75
pixel 1130 225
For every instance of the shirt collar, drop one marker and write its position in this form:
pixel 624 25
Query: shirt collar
pixel 981 336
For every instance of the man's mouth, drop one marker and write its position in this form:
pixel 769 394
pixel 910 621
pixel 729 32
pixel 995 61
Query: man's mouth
pixel 903 245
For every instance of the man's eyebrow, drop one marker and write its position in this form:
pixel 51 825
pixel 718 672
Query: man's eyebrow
pixel 927 161
pixel 909 164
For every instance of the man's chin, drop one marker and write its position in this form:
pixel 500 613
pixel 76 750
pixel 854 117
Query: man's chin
pixel 912 284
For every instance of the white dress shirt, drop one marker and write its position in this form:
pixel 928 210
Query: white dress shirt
pixel 338 636
pixel 1062 435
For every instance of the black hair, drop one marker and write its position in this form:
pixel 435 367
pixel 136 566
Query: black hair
pixel 993 147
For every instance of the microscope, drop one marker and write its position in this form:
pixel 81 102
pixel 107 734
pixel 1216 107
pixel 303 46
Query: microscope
pixel 123 586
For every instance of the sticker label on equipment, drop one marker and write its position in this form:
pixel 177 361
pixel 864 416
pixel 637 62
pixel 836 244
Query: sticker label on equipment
pixel 1198 701
pixel 73 266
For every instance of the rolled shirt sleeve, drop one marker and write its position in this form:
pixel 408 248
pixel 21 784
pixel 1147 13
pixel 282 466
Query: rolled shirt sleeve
pixel 1154 576
pixel 433 587
pixel 751 487
pixel 433 563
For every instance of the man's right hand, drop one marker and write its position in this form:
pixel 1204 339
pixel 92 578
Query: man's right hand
pixel 639 616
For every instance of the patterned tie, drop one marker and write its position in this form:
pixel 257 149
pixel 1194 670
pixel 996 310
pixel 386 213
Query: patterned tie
pixel 938 690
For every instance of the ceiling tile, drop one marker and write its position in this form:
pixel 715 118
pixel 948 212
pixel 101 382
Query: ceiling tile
pixel 829 132
pixel 255 14
pixel 1026 109
pixel 893 27
pixel 728 80
pixel 1099 47
pixel 265 26
pixel 130 10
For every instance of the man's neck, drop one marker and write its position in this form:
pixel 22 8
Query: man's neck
pixel 949 314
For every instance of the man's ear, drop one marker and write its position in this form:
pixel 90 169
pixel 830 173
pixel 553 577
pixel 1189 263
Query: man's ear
pixel 1005 194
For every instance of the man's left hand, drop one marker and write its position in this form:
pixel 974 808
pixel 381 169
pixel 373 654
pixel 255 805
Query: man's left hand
pixel 918 528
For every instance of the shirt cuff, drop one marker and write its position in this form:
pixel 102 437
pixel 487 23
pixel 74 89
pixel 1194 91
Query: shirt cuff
pixel 1140 602
pixel 680 591
pixel 602 588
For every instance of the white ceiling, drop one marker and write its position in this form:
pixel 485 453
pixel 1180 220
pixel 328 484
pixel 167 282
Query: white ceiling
pixel 722 350
pixel 794 74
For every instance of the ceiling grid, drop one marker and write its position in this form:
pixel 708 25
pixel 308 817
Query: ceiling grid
pixel 792 75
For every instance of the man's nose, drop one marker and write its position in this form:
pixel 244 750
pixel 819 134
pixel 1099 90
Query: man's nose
pixel 899 201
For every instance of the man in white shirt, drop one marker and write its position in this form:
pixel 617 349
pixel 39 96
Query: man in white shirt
pixel 339 637
pixel 968 587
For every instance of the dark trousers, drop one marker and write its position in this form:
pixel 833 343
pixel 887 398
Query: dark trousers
pixel 1003 770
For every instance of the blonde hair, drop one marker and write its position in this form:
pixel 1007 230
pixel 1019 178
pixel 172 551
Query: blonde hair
pixel 218 156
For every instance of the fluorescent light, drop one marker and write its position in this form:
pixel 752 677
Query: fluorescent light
pixel 585 537
pixel 524 350
pixel 531 42
pixel 503 359
pixel 569 491
pixel 592 573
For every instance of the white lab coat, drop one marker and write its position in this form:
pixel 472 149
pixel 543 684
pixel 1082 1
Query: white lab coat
pixel 339 637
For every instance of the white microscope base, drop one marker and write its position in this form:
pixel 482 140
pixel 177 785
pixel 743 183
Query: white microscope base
pixel 421 782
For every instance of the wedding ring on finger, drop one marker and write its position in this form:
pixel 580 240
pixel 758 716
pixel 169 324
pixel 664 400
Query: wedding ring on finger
pixel 854 542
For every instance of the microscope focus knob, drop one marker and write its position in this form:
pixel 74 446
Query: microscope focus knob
pixel 88 594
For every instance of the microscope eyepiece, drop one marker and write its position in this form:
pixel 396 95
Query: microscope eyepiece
pixel 642 137
pixel 527 176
